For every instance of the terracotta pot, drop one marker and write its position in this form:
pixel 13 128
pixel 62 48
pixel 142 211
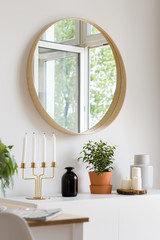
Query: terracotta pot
pixel 103 179
pixel 101 189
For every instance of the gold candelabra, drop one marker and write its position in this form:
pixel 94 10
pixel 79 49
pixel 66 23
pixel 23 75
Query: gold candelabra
pixel 38 179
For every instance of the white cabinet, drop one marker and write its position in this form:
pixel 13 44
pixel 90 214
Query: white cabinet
pixel 102 217
pixel 115 217
pixel 139 218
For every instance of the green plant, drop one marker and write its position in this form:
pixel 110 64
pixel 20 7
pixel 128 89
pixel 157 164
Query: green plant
pixel 98 156
pixel 8 167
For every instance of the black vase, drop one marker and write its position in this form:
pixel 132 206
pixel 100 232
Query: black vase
pixel 69 183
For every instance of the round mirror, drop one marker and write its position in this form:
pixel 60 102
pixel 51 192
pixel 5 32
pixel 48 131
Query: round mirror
pixel 76 76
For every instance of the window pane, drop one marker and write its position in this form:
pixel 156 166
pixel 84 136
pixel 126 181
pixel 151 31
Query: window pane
pixel 61 31
pixel 102 82
pixel 92 29
pixel 58 90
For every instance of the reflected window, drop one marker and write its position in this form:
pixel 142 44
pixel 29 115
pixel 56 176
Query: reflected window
pixel 58 86
pixel 75 74
pixel 66 32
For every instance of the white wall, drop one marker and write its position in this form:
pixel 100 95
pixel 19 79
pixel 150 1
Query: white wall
pixel 133 25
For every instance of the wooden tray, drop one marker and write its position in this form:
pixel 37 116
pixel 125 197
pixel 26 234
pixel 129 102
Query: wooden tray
pixel 131 192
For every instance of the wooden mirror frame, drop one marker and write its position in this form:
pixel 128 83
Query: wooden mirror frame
pixel 119 94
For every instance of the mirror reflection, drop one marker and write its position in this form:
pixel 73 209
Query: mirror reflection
pixel 74 74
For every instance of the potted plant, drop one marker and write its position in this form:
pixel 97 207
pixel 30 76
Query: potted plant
pixel 8 167
pixel 99 157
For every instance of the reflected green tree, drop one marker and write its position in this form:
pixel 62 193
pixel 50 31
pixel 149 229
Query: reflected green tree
pixel 64 30
pixel 102 82
pixel 65 93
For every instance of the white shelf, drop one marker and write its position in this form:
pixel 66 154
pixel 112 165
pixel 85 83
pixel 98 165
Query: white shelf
pixel 58 199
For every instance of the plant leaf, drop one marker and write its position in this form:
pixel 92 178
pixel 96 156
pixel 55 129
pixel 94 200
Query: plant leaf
pixel 8 167
pixel 98 156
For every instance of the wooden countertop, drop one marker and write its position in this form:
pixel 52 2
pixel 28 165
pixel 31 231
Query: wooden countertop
pixel 63 218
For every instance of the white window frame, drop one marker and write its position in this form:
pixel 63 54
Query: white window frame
pixel 91 40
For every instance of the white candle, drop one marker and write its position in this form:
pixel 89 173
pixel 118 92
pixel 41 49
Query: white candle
pixel 136 172
pixel 44 148
pixel 137 183
pixel 54 148
pixel 34 148
pixel 24 149
pixel 126 183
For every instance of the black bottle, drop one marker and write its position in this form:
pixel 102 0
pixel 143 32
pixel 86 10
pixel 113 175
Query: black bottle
pixel 69 183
